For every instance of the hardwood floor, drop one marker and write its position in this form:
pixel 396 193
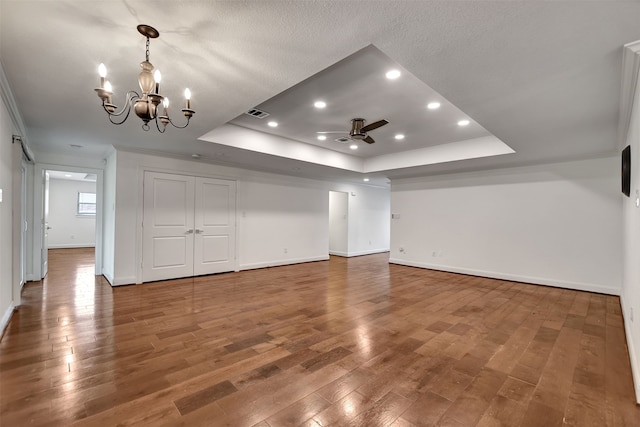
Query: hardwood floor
pixel 353 342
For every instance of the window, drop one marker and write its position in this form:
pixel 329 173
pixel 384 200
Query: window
pixel 86 203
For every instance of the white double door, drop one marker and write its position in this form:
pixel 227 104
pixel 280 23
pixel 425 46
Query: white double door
pixel 188 226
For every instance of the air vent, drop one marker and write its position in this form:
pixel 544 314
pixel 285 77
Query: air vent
pixel 259 114
pixel 343 139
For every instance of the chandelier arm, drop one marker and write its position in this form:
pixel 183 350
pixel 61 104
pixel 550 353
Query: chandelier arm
pixel 131 96
pixel 111 116
pixel 179 127
pixel 164 128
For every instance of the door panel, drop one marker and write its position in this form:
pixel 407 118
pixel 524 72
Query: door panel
pixel 215 214
pixel 167 226
pixel 170 251
pixel 214 248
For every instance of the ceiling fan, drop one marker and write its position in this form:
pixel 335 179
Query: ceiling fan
pixel 359 130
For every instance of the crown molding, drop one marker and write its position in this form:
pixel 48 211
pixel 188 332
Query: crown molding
pixel 630 69
pixel 10 102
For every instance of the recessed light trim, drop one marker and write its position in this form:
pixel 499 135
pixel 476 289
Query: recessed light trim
pixel 365 179
pixel 319 104
pixel 433 105
pixel 273 124
pixel 322 137
pixel 399 136
pixel 463 122
pixel 353 147
pixel 68 175
pixel 393 74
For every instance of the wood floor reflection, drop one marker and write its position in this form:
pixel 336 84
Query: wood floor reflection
pixel 345 342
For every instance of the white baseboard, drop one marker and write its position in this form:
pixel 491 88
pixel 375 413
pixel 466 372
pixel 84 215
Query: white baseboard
pixel 5 319
pixel 277 263
pixel 369 252
pixel 72 245
pixel 578 286
pixel 358 253
pixel 339 253
pixel 120 281
pixel 635 369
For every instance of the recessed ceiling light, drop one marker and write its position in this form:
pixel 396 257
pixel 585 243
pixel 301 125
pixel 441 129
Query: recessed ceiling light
pixel 353 147
pixel 365 179
pixel 273 124
pixel 322 137
pixel 433 105
pixel 464 122
pixel 393 74
pixel 399 136
pixel 68 175
pixel 319 104
pixel 195 156
pixel 75 146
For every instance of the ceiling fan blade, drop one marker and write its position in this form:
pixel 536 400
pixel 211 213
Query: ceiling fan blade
pixel 374 125
pixel 334 131
pixel 369 140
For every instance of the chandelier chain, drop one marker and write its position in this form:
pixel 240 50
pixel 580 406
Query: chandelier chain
pixel 147 49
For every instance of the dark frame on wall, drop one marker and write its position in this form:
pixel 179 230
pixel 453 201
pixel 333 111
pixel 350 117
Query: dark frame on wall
pixel 626 171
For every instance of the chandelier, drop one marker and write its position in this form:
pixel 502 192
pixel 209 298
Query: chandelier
pixel 146 105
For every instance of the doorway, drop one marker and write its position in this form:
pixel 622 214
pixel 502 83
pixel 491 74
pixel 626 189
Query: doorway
pixel 338 223
pixel 67 214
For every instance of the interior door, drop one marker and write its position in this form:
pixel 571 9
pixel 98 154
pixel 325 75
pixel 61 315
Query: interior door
pixel 215 228
pixel 168 230
pixel 45 227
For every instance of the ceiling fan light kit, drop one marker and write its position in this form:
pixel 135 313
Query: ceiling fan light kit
pixel 146 105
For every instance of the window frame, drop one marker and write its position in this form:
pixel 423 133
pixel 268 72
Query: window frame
pixel 80 202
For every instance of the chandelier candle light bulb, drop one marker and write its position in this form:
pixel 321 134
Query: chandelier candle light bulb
pixel 102 71
pixel 157 77
pixel 187 96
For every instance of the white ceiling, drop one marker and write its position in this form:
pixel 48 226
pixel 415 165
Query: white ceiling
pixel 72 176
pixel 542 77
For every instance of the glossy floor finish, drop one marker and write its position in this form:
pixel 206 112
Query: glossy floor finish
pixel 345 342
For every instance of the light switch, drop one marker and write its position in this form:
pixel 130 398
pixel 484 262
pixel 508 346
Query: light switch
pixel 0 195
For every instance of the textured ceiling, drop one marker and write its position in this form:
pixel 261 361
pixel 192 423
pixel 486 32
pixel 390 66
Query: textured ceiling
pixel 543 77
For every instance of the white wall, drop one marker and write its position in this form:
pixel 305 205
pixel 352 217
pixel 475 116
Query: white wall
pixel 556 224
pixel 69 230
pixel 6 224
pixel 338 223
pixel 630 297
pixel 281 223
pixel 275 213
pixel 108 231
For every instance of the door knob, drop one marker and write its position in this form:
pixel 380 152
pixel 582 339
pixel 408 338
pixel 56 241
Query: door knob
pixel 198 231
pixel 189 231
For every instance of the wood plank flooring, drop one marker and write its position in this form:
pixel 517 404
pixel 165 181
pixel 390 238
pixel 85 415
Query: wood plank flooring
pixel 347 342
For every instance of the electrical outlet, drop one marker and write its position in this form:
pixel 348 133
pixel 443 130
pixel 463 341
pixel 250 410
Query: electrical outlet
pixel 286 250
pixel 631 313
pixel 401 249
pixel 434 253
pixel 369 242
